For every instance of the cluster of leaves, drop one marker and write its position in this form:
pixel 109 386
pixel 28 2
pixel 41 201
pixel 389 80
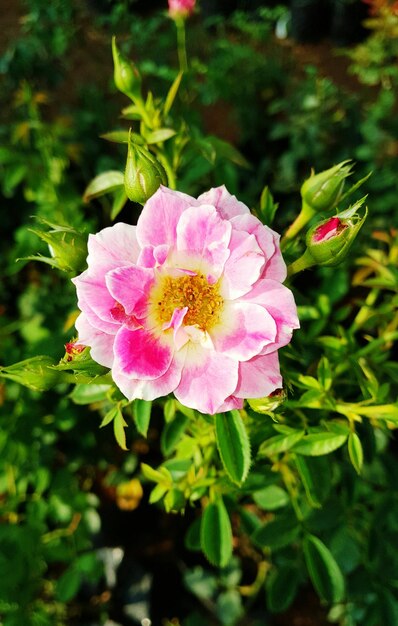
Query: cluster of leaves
pixel 298 490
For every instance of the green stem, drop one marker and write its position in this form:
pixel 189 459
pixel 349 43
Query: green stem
pixel 366 310
pixel 172 182
pixel 143 112
pixel 301 220
pixel 303 263
pixel 181 45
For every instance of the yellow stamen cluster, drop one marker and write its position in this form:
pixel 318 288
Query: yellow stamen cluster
pixel 202 299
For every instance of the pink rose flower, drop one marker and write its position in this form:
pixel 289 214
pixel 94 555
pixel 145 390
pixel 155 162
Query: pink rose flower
pixel 189 301
pixel 181 8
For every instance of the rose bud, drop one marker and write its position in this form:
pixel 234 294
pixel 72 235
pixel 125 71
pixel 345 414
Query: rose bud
pixel 143 174
pixel 322 192
pixel 67 247
pixel 73 350
pixel 330 241
pixel 126 75
pixel 181 8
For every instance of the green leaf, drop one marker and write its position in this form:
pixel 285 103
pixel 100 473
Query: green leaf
pixel 104 183
pixel 325 373
pixel 225 150
pixel 119 425
pixel 355 451
pixel 155 475
pixel 142 415
pixel 216 533
pixel 37 373
pixel 268 207
pixel 233 445
pixel 88 394
pixel 271 498
pixel 318 444
pixel 157 493
pixel 116 136
pixel 68 584
pixel 315 475
pixel 172 93
pixel 278 533
pixel 280 443
pixel 309 381
pixel 281 588
pixel 109 417
pixel 118 203
pixel 172 433
pixel 323 570
pixel 192 536
pixel 159 135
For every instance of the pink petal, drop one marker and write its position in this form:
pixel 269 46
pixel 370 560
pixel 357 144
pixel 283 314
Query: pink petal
pixel 95 300
pixel 100 343
pixel 259 377
pixel 226 204
pixel 230 404
pixel 113 247
pixel 244 330
pixel 268 240
pixel 158 221
pixel 279 302
pixel 207 379
pixel 131 286
pixel 151 257
pixel 244 265
pixel 149 389
pixel 141 354
pixel 201 232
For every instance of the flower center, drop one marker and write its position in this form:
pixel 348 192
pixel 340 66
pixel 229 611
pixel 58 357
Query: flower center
pixel 202 299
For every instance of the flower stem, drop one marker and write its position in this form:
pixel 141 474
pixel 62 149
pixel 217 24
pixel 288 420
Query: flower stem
pixel 172 183
pixel 301 220
pixel 181 45
pixel 304 262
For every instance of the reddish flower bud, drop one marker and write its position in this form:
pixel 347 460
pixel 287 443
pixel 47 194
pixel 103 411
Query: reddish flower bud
pixel 181 8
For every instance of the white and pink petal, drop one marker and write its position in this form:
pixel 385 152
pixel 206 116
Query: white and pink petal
pixel 243 267
pixel 245 329
pixel 158 221
pixel 259 376
pixel 100 343
pixel 226 204
pixel 113 247
pixel 130 286
pixel 208 378
pixel 203 234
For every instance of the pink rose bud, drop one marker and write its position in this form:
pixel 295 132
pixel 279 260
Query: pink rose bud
pixel 73 349
pixel 329 242
pixel 181 8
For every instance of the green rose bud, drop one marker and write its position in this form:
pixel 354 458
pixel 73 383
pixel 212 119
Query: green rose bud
pixel 143 174
pixel 329 242
pixel 68 247
pixel 126 75
pixel 268 404
pixel 322 192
